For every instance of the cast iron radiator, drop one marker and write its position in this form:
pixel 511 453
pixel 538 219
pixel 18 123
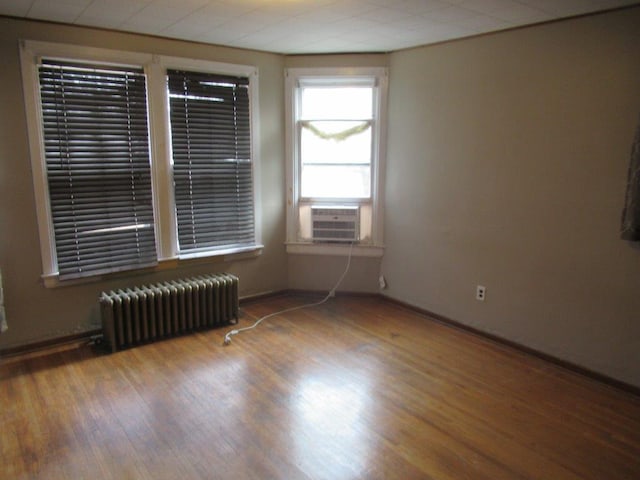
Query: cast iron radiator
pixel 138 315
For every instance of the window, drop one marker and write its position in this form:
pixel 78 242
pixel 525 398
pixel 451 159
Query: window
pixel 210 138
pixel 335 125
pixel 97 159
pixel 335 132
pixel 138 159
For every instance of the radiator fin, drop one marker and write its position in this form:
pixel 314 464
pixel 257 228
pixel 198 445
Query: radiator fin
pixel 143 314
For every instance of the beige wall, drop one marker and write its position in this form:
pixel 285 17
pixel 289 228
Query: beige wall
pixel 507 162
pixel 36 313
pixel 321 273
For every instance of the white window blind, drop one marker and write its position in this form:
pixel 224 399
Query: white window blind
pixel 96 143
pixel 212 168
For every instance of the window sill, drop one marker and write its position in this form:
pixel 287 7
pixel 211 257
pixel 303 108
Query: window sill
pixel 299 248
pixel 53 280
pixel 228 254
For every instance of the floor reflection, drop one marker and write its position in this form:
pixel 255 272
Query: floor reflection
pixel 329 427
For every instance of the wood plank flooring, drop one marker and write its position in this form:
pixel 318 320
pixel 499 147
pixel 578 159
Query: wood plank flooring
pixel 358 388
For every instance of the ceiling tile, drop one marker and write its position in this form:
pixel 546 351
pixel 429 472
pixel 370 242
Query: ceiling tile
pixel 384 14
pixel 450 14
pixel 66 12
pixel 489 6
pixel 483 23
pixel 351 24
pixel 146 24
pixel 575 7
pixel 225 9
pixel 327 45
pixel 193 25
pixel 186 5
pixel 110 13
pixel 166 12
pixel 420 7
pixel 219 35
pixel 237 27
pixel 262 37
pixel 323 15
pixel 359 36
pixel 521 14
pixel 15 8
pixel 414 22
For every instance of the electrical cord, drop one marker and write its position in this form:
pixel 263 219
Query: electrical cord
pixel 332 293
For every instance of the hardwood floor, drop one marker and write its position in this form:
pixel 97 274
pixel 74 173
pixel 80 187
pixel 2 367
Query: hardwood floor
pixel 358 388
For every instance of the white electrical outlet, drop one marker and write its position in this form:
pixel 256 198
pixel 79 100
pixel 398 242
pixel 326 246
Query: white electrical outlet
pixel 481 292
pixel 382 282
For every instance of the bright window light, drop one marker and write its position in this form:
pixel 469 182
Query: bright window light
pixel 336 142
pixel 337 103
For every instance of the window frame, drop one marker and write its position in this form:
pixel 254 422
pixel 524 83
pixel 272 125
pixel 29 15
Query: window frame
pixel 88 245
pixel 155 67
pixel 295 79
pixel 161 63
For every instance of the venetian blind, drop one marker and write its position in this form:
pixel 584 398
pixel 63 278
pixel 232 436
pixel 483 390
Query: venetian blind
pixel 98 168
pixel 210 138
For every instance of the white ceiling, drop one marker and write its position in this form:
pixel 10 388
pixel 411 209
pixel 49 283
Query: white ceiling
pixel 307 26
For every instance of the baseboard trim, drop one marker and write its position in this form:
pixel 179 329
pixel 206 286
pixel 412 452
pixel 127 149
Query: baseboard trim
pixel 28 348
pixel 324 293
pixel 262 296
pixel 585 372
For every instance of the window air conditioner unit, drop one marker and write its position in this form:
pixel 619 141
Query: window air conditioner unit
pixel 335 223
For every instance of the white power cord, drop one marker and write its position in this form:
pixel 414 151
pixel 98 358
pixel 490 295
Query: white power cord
pixel 332 293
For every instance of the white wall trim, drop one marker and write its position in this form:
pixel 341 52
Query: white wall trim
pixel 299 248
